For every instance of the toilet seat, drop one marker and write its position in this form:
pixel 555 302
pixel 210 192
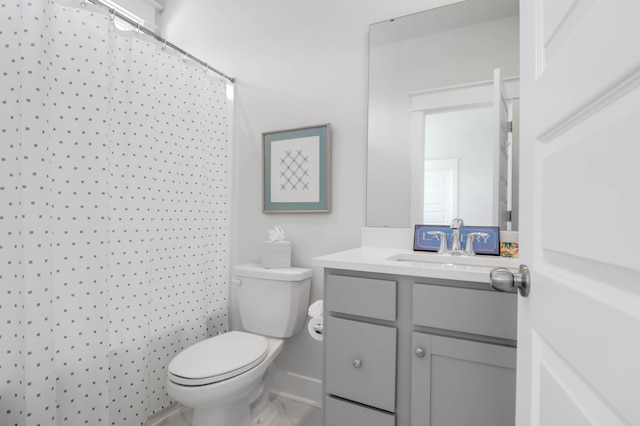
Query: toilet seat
pixel 218 358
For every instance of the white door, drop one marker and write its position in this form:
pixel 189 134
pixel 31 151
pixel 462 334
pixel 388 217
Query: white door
pixel 579 329
pixel 440 191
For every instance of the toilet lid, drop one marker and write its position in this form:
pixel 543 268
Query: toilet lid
pixel 218 358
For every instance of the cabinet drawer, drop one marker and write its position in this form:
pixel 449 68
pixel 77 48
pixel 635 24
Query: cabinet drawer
pixel 342 413
pixel 488 313
pixel 361 362
pixel 366 297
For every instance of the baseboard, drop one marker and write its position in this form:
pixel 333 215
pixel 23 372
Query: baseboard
pixel 306 390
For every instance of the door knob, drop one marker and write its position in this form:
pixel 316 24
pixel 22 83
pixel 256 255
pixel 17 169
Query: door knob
pixel 503 279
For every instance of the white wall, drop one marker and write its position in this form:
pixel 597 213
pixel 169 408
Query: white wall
pixel 298 63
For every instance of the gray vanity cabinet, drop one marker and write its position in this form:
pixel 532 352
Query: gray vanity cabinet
pixel 407 351
pixel 360 351
pixel 461 382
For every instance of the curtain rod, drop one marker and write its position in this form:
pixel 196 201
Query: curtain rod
pixel 162 40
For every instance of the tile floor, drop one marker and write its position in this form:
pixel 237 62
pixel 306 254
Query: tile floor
pixel 290 413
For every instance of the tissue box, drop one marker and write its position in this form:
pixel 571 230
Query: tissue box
pixel 276 254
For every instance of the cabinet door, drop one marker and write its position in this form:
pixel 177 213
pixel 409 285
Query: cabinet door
pixel 360 362
pixel 460 382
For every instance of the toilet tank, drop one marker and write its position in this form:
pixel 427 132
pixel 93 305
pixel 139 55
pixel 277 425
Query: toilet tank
pixel 272 302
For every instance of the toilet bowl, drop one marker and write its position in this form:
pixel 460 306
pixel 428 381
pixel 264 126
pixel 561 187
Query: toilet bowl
pixel 224 397
pixel 221 376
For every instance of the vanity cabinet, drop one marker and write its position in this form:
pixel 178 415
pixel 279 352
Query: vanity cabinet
pixel 408 351
pixel 461 382
pixel 360 351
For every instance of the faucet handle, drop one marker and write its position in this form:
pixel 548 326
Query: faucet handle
pixel 468 249
pixel 457 223
pixel 442 236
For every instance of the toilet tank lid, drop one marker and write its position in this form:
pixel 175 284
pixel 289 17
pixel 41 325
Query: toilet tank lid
pixel 254 270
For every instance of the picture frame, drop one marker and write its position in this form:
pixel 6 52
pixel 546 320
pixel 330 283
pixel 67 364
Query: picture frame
pixel 424 241
pixel 296 170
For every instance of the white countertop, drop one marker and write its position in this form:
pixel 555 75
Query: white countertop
pixel 416 263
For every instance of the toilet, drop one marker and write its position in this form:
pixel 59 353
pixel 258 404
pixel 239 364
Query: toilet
pixel 221 377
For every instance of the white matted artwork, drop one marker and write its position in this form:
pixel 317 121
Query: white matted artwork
pixel 296 170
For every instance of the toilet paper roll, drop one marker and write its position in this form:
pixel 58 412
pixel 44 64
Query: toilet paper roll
pixel 313 326
pixel 316 308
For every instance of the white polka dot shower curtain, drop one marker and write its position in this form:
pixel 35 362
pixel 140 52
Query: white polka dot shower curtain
pixel 114 207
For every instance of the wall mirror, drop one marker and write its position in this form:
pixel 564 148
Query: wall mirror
pixel 443 117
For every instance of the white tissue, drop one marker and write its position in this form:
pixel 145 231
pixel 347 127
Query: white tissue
pixel 275 234
pixel 316 309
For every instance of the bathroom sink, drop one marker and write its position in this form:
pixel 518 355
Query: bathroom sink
pixel 407 262
pixel 453 263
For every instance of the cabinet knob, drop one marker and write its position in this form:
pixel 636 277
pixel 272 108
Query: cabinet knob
pixel 419 352
pixel 356 363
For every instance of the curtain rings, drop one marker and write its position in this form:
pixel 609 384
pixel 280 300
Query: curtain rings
pixel 83 3
pixel 138 29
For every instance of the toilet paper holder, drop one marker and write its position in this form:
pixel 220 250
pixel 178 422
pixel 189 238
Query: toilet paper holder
pixel 315 325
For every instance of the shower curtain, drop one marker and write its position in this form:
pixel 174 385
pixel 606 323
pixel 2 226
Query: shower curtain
pixel 114 215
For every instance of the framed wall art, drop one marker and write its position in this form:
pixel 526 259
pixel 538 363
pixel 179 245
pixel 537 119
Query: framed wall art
pixel 296 170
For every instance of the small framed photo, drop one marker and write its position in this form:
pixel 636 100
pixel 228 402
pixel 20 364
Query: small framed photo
pixel 424 238
pixel 296 170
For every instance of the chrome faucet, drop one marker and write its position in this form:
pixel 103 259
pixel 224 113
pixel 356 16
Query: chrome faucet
pixel 456 224
pixel 456 243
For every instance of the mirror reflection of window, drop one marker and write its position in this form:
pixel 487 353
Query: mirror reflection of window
pixel 464 135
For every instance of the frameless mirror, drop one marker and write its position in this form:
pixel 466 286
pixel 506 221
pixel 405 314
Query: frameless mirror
pixel 443 116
